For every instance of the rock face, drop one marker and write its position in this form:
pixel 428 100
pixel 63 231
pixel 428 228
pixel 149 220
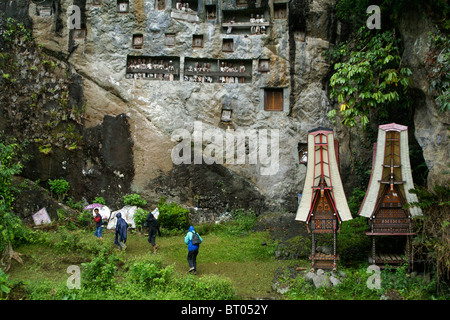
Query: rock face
pixel 132 123
pixel 153 110
pixel 430 124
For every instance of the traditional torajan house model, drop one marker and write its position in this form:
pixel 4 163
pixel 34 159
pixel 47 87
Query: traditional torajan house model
pixel 323 205
pixel 388 193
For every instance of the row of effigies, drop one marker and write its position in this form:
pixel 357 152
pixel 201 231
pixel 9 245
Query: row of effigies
pixel 257 25
pixel 183 7
pixel 256 29
pixel 152 70
pixel 209 79
pixel 323 205
pixel 150 76
pixel 198 67
pixel 206 67
pixel 198 78
pixel 147 64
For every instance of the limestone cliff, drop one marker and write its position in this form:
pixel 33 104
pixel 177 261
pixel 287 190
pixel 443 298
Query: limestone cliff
pixel 131 116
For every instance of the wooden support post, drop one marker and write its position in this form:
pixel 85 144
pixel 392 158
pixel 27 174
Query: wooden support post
pixel 373 250
pixel 409 254
pixel 313 241
pixel 334 246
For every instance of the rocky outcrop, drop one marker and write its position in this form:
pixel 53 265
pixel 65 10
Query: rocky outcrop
pixel 130 124
pixel 431 126
pixel 156 109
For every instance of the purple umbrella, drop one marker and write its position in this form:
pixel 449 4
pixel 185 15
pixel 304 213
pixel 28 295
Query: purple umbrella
pixel 92 206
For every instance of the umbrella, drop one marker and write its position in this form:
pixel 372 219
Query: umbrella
pixel 92 206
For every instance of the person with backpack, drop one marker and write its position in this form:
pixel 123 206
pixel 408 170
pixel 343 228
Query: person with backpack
pixel 153 228
pixel 193 241
pixel 98 224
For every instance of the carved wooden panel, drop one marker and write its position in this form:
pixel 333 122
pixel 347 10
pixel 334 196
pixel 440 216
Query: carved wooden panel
pixel 323 220
pixel 390 216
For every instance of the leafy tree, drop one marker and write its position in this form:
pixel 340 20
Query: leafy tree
pixel 11 227
pixel 370 77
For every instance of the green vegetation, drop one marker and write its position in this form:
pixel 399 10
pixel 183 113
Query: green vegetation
pixel 60 187
pixel 433 229
pixel 230 266
pixel 233 262
pixel 99 200
pixel 24 101
pixel 134 200
pixel 135 273
pixel 172 216
pixel 369 77
pixel 369 82
pixel 12 231
pixel 139 217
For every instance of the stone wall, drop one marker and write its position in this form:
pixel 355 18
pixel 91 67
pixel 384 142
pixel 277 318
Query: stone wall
pixel 156 109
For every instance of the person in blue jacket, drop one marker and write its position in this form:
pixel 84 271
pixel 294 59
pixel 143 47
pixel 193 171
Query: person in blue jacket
pixel 192 250
pixel 121 232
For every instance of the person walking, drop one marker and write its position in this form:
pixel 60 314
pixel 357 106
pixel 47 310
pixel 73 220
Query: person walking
pixel 121 232
pixel 98 224
pixel 193 241
pixel 153 228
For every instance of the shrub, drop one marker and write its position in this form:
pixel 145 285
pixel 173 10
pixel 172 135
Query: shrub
pixel 353 243
pixel 355 200
pixel 100 200
pixel 12 229
pixel 4 288
pixel 172 216
pixel 134 200
pixel 75 205
pixel 139 217
pixel 99 273
pixel 150 273
pixel 370 77
pixel 60 187
pixel 85 218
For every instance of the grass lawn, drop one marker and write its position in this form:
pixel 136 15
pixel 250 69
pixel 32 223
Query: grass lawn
pixel 248 264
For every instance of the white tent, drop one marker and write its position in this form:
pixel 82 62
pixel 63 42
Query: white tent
pixel 104 211
pixel 127 214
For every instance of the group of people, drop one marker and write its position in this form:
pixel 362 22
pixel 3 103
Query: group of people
pixel 192 239
pixel 146 66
